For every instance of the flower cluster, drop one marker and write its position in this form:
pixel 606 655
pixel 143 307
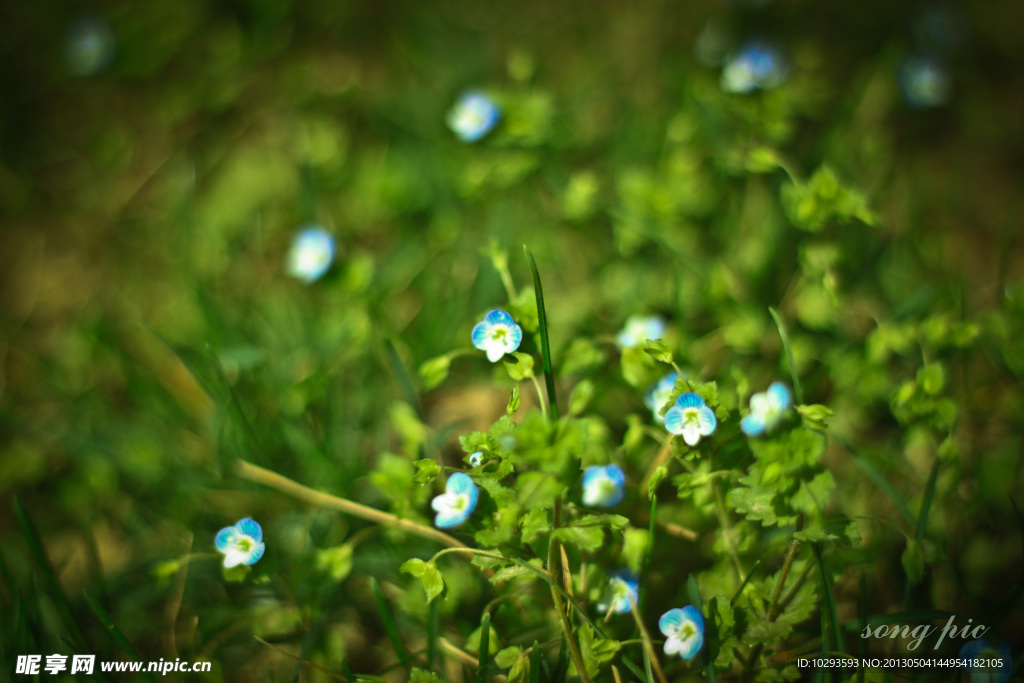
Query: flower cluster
pixel 766 409
pixel 241 543
pixel 691 418
pixel 640 328
pixel 623 587
pixel 454 506
pixel 684 631
pixel 498 334
pixel 473 116
pixel 311 254
pixel 602 486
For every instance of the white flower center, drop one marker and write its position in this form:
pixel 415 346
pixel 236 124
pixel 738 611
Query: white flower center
pixel 691 416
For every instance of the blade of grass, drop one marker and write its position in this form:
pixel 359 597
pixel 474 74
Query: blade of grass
pixel 49 576
pixel 115 631
pixel 797 389
pixel 875 475
pixel 485 647
pixel 305 662
pixel 389 624
pixel 535 663
pixel 922 523
pixel 545 347
pixel 404 378
pixel 829 605
pixel 694 590
pixel 739 591
pixel 433 631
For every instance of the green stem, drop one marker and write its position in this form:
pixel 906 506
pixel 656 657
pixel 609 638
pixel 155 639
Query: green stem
pixel 563 617
pixel 648 644
pixel 540 396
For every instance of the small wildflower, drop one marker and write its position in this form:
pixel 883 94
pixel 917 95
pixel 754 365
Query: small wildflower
pixel 659 393
pixel 311 254
pixel 498 334
pixel 602 486
pixel 241 543
pixel 89 45
pixel 622 587
pixel 476 459
pixel 690 417
pixel 640 328
pixel 684 631
pixel 457 502
pixel 473 116
pixel 757 65
pixel 766 409
pixel 924 81
pixel 985 650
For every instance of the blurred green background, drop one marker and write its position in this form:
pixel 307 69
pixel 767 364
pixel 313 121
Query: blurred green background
pixel 148 198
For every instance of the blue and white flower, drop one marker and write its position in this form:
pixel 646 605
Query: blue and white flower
pixel 623 586
pixel 684 631
pixel 766 409
pixel 983 649
pixel 659 393
pixel 691 418
pixel 89 45
pixel 498 334
pixel 640 328
pixel 311 254
pixel 473 116
pixel 476 459
pixel 757 65
pixel 457 502
pixel 602 486
pixel 924 81
pixel 241 543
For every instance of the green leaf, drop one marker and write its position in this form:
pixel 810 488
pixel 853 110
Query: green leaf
pixel 430 576
pixel 521 669
pixel 815 415
pixel 389 623
pixel 659 351
pixel 504 658
pixel 638 368
pixel 580 397
pixel 659 474
pixel 587 539
pixel 487 645
pixel 426 470
pixel 534 523
pixel 513 400
pixel 545 345
pixel 582 357
pixel 421 676
pixel 616 522
pixel 931 378
pixel 798 392
pixel 508 573
pixel 634 547
pixel 336 561
pixel 521 368
pixel 434 371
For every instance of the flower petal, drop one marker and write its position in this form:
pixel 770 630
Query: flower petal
pixel 778 396
pixel 250 528
pixel 689 400
pixel 495 353
pixel 759 404
pixel 449 518
pixel 481 335
pixel 752 425
pixel 515 337
pixel 670 621
pixel 691 434
pixel 498 317
pixel 674 420
pixel 708 421
pixel 254 554
pixel 691 646
pixel 225 539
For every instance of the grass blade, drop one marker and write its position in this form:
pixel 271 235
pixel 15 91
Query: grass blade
pixel 404 379
pixel 485 646
pixel 433 631
pixel 389 624
pixel 545 346
pixel 797 389
pixel 115 631
pixel 833 633
pixel 49 576
pixel 535 663
pixel 922 525
pixel 711 651
pixel 875 475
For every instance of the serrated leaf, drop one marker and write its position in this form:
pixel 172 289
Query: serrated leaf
pixel 505 658
pixel 611 521
pixel 514 571
pixel 587 539
pixel 426 470
pixel 521 368
pixel 658 350
pixel 534 523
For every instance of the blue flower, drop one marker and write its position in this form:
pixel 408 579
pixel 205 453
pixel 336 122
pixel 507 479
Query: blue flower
pixel 602 486
pixel 757 65
pixel 311 254
pixel 473 116
pixel 659 393
pixel 684 631
pixel 766 410
pixel 983 649
pixel 241 543
pixel 623 586
pixel 458 500
pixel 640 328
pixel 691 418
pixel 498 334
pixel 924 81
pixel 89 45
pixel 476 459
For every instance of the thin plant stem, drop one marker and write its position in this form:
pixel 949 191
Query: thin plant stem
pixel 259 475
pixel 663 454
pixel 563 618
pixel 655 664
pixel 540 397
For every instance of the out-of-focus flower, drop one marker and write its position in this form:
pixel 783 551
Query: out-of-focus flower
pixel 473 116
pixel 623 586
pixel 640 328
pixel 311 254
pixel 757 65
pixel 89 45
pixel 241 543
pixel 766 409
pixel 457 502
pixel 924 81
pixel 498 334
pixel 690 417
pixel 985 650
pixel 684 631
pixel 602 486
pixel 659 393
pixel 476 459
